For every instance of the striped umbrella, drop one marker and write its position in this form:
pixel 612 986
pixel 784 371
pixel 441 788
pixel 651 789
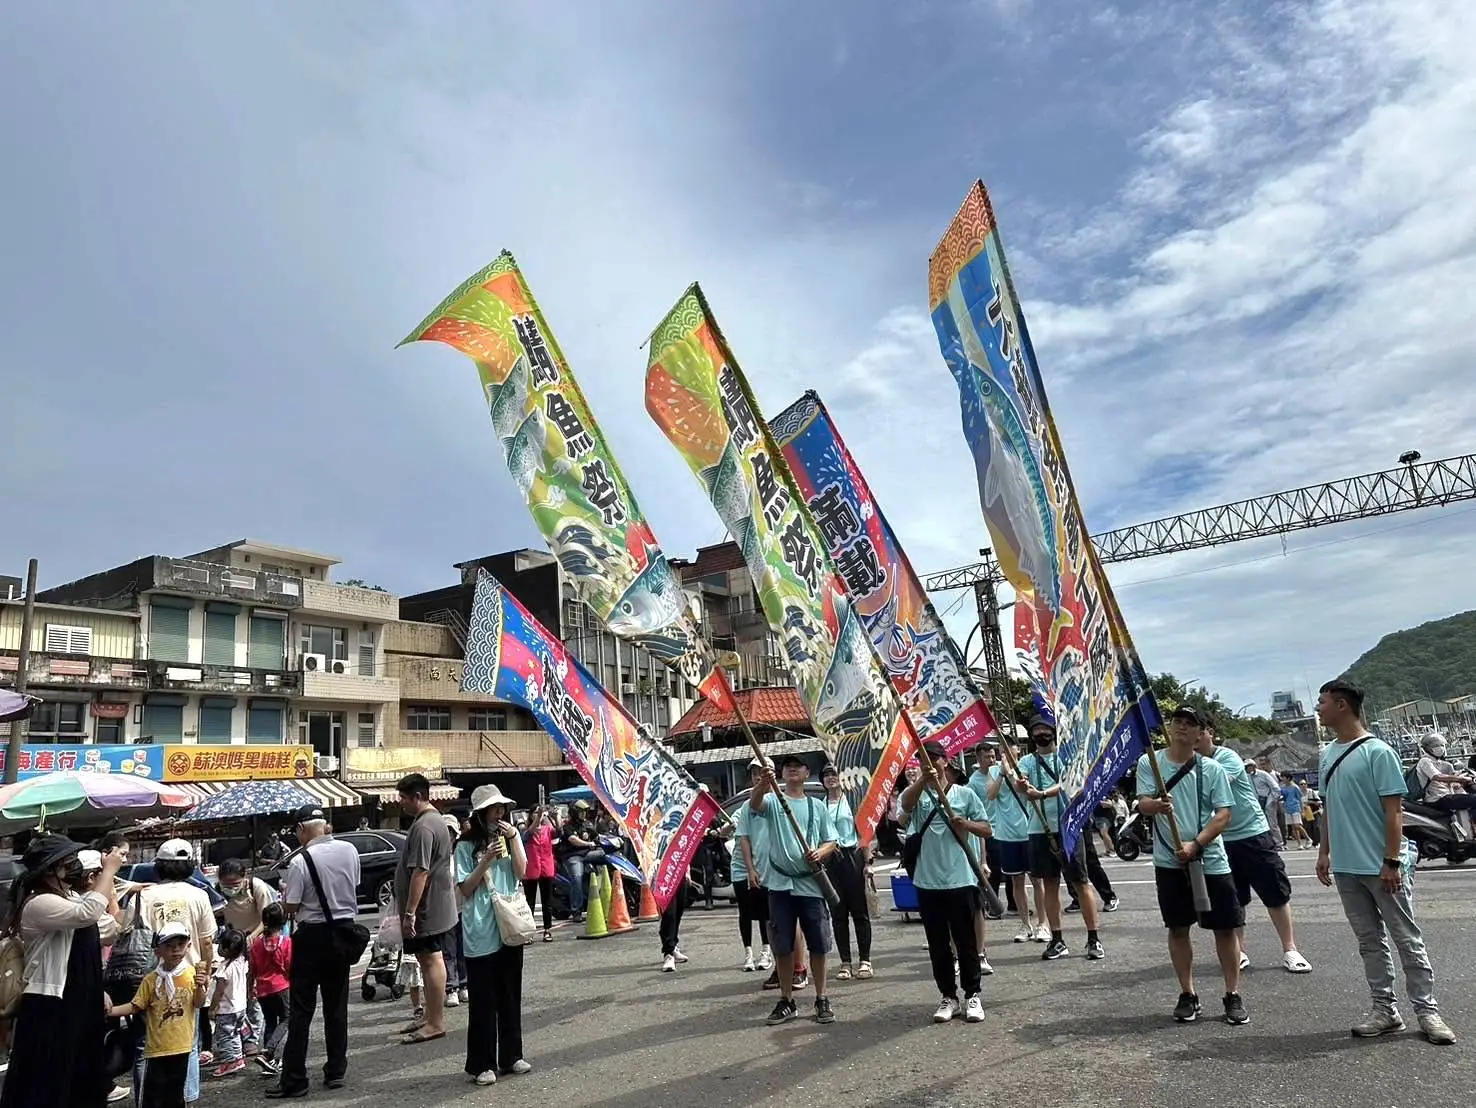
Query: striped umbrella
pixel 80 796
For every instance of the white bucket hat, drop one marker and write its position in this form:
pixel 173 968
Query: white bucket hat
pixel 485 796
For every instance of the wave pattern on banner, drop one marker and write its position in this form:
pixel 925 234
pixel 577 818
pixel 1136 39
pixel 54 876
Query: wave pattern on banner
pixel 924 663
pixel 701 401
pixel 510 655
pixel 1066 615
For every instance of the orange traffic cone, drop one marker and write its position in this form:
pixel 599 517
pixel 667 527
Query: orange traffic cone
pixel 619 920
pixel 649 913
pixel 594 921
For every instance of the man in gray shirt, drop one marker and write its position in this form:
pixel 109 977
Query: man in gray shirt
pixel 426 901
pixel 316 961
pixel 1268 792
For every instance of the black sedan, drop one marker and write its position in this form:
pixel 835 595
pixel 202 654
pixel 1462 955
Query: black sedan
pixel 379 854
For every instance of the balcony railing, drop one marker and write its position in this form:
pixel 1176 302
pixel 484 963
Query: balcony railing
pixel 190 677
pixel 78 670
pixel 486 749
pixel 351 601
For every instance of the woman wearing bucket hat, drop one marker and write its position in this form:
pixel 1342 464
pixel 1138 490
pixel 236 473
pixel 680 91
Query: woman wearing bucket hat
pixel 56 1057
pixel 490 859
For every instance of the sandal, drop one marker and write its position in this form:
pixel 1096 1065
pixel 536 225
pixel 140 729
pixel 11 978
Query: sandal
pixel 844 973
pixel 864 971
pixel 420 1036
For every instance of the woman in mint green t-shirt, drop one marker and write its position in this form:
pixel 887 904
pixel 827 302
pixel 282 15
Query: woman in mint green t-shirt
pixel 490 858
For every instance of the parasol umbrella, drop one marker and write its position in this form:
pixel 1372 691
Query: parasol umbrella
pixel 14 705
pixel 572 794
pixel 250 798
pixel 78 797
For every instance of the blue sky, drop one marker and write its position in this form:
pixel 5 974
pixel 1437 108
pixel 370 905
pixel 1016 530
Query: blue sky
pixel 1245 234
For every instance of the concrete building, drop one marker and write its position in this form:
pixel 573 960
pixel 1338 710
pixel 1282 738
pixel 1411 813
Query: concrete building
pixel 732 619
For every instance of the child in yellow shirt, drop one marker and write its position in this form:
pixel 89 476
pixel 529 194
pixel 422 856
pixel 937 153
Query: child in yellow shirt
pixel 169 998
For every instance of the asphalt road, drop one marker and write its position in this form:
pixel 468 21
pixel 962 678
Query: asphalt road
pixel 605 1029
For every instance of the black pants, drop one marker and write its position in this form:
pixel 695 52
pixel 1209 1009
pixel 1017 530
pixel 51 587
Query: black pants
pixel 544 885
pixel 274 1015
pixel 748 899
pixel 1095 871
pixel 164 1081
pixel 316 965
pixel 997 878
pixel 948 916
pixel 671 922
pixel 848 875
pixel 494 1027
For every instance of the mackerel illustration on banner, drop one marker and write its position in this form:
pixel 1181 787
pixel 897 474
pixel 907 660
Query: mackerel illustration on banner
pixel 560 461
pixel 699 398
pixel 510 655
pixel 924 663
pixel 1066 617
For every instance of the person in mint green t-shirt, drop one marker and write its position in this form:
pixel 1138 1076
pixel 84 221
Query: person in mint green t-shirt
pixel 1362 785
pixel 1200 805
pixel 986 768
pixel 748 890
pixel 848 868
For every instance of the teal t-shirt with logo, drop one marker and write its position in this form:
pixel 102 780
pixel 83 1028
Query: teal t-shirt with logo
pixel 1353 816
pixel 941 863
pixel 737 867
pixel 1200 793
pixel 1043 771
pixel 1009 818
pixel 786 869
pixel 844 821
pixel 1247 817
pixel 979 782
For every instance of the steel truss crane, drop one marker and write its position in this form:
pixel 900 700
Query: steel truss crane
pixel 1413 484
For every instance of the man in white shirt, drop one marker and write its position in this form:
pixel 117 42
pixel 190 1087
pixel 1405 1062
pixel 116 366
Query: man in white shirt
pixel 1441 786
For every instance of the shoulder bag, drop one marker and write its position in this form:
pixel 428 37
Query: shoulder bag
pixel 514 917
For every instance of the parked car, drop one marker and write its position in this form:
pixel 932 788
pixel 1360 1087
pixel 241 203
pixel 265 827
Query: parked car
pixel 724 891
pixel 379 854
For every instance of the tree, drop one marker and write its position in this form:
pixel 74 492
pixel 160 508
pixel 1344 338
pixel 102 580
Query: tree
pixel 360 583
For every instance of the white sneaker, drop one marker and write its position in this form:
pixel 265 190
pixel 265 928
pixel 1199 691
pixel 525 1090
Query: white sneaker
pixel 521 1067
pixel 766 960
pixel 681 958
pixel 947 1009
pixel 1026 934
pixel 985 969
pixel 1437 1030
pixel 1043 934
pixel 117 1093
pixel 1245 960
pixel 974 1010
pixel 1378 1023
pixel 668 964
pixel 463 996
pixel 486 1077
pixel 452 1000
pixel 748 966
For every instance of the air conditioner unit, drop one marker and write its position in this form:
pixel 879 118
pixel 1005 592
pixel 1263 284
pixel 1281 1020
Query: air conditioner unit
pixel 325 763
pixel 626 688
pixel 338 665
pixel 314 663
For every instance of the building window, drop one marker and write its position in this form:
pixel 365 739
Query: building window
pixel 487 719
pixel 423 718
pixel 366 728
pixel 61 639
pixel 109 731
pixel 327 641
pixel 366 653
pixel 58 721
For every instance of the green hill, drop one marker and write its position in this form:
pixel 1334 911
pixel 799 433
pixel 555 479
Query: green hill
pixel 1435 660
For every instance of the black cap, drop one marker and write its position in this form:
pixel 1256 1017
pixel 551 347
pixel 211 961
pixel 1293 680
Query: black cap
pixel 309 813
pixel 1190 713
pixel 935 751
pixel 1041 721
pixel 793 760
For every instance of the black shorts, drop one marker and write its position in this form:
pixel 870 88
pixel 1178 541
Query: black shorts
pixel 1176 901
pixel 1047 865
pixel 443 943
pixel 1255 863
pixel 1014 857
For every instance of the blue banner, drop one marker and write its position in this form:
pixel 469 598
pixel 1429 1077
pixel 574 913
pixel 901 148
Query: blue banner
pixel 42 758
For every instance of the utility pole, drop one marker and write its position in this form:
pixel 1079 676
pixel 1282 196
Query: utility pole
pixel 19 727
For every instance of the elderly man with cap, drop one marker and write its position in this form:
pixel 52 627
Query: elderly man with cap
pixel 847 868
pixel 748 888
pixel 321 886
pixel 1040 781
pixel 947 891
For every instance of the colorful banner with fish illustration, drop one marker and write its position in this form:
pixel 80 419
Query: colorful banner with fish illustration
pixel 699 398
pixel 920 656
pixel 512 656
pixel 564 469
pixel 1066 616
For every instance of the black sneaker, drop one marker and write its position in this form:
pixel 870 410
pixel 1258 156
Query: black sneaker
pixel 1235 1012
pixel 783 1012
pixel 1074 906
pixel 1095 950
pixel 1112 905
pixel 1056 948
pixel 772 981
pixel 332 1082
pixel 823 1012
pixel 285 1092
pixel 1187 1010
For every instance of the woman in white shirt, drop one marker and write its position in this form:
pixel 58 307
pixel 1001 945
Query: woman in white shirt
pixel 56 1056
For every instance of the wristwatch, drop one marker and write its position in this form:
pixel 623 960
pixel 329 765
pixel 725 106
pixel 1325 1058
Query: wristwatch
pixel 1393 863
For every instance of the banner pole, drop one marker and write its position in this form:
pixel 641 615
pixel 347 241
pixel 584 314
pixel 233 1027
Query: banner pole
pixel 1196 867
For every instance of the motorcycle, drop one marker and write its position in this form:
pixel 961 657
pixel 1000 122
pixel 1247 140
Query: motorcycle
pixel 614 852
pixel 1134 836
pixel 1435 833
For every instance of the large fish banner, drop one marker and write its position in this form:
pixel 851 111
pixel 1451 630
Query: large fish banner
pixel 700 399
pixel 921 658
pixel 1065 613
pixel 564 469
pixel 512 656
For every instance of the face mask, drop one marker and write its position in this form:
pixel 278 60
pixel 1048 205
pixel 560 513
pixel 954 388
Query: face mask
pixel 234 892
pixel 1438 751
pixel 71 873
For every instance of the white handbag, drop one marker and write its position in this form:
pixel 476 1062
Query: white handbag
pixel 514 918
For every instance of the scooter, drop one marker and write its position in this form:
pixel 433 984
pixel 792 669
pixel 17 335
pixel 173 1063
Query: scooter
pixel 1134 836
pixel 1436 834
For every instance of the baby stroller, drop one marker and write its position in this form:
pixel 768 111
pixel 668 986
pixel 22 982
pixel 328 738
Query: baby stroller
pixel 383 969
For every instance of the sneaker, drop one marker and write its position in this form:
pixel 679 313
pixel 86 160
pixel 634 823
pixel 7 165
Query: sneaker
pixel 1187 1010
pixel 748 964
pixel 1043 934
pixel 801 978
pixel 333 1082
pixel 206 1057
pixel 520 1067
pixel 681 958
pixel 772 981
pixel 865 972
pixel 285 1092
pixel 1245 961
pixel 783 1012
pixel 1056 948
pixel 766 960
pixel 1074 906
pixel 1378 1023
pixel 486 1077
pixel 463 996
pixel 823 1012
pixel 946 1010
pixel 1095 950
pixel 974 1009
pixel 1235 1012
pixel 1437 1030
pixel 985 969
pixel 1112 905
pixel 453 1000
pixel 117 1093
pixel 1293 962
pixel 668 964
pixel 225 1069
pixel 268 1067
pixel 1026 934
